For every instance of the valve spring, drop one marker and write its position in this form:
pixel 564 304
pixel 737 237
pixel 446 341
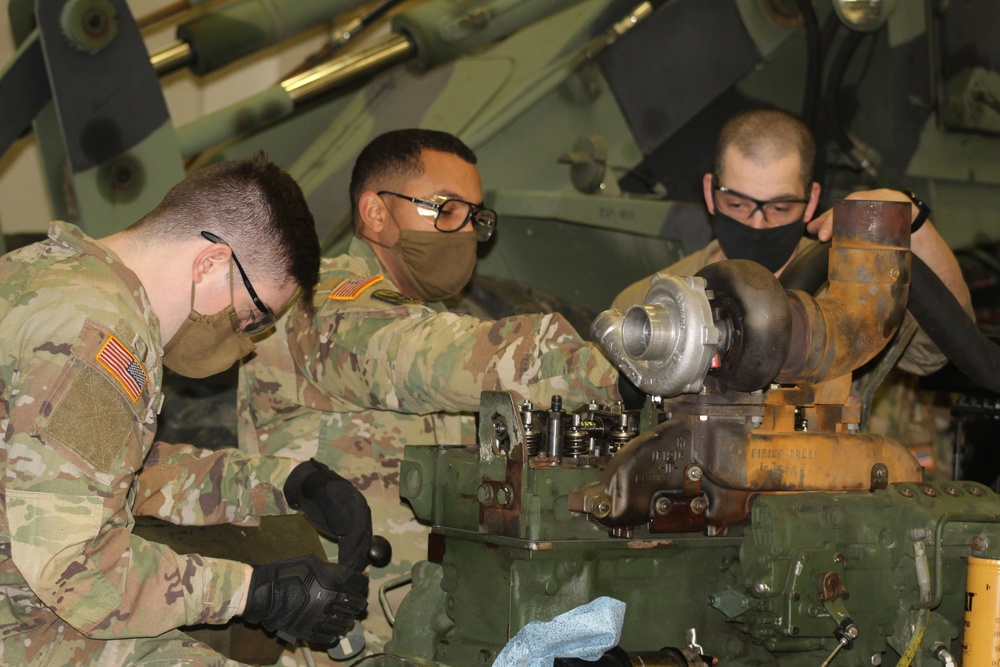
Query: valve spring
pixel 533 441
pixel 575 443
pixel 619 438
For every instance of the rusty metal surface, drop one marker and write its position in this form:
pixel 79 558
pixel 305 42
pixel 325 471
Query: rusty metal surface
pixel 812 462
pixel 866 298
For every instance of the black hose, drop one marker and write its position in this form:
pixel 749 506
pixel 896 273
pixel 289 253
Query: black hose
pixel 943 319
pixel 814 63
pixel 933 306
pixel 835 80
pixel 808 270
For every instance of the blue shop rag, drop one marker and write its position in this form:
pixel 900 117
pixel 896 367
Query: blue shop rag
pixel 586 632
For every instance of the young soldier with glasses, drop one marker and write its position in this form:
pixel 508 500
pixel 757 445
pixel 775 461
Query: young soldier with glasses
pixel 380 363
pixel 88 326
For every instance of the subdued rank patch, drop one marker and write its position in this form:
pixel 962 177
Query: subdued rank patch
pixel 396 298
pixel 123 367
pixel 350 289
pixel 93 419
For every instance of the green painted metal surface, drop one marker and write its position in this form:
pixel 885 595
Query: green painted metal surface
pixel 754 595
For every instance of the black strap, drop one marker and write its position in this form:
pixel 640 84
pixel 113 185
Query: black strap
pixel 923 211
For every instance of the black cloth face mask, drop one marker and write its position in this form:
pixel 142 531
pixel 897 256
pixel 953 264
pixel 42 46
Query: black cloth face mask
pixel 771 246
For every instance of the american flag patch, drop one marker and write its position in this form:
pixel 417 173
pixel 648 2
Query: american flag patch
pixel 349 289
pixel 924 454
pixel 123 367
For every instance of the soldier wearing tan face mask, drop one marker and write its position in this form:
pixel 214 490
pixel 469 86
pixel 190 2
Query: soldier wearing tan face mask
pixel 381 363
pixel 88 326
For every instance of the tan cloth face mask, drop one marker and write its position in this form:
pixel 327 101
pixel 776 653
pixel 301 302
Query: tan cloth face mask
pixel 207 344
pixel 437 265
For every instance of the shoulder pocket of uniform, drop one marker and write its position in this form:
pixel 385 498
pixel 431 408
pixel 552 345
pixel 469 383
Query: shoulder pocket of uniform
pixel 100 399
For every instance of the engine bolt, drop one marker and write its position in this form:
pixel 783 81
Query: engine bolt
pixel 694 473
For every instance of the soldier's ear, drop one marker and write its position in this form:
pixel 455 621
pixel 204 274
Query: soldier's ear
pixel 214 258
pixel 814 191
pixel 373 212
pixel 707 183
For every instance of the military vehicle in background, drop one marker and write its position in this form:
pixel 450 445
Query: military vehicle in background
pixel 593 121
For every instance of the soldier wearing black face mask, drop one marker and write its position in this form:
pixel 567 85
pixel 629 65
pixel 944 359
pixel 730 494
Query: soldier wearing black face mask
pixel 760 195
pixel 762 199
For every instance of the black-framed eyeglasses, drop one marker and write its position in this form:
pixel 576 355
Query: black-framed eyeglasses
pixel 742 207
pixel 451 215
pixel 264 319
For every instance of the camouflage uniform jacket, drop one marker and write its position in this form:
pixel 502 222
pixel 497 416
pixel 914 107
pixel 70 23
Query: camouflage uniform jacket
pixel 380 366
pixel 80 375
pixel 373 371
pixel 921 356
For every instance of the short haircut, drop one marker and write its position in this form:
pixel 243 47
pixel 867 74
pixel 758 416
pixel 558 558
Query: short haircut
pixel 252 204
pixel 765 135
pixel 393 158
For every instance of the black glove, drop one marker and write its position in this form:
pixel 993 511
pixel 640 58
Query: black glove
pixel 335 507
pixel 306 598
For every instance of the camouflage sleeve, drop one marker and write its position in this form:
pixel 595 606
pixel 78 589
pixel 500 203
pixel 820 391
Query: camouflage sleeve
pixel 188 486
pixel 419 361
pixel 73 441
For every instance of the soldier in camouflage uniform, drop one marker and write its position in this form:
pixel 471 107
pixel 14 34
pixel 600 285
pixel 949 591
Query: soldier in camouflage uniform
pixel 87 326
pixel 381 364
pixel 762 194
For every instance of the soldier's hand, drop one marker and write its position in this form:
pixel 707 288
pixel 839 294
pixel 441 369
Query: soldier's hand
pixel 306 598
pixel 335 507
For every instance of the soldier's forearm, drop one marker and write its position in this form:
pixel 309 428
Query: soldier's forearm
pixel 191 486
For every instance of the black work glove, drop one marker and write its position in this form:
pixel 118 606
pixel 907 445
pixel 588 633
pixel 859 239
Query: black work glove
pixel 306 598
pixel 335 507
